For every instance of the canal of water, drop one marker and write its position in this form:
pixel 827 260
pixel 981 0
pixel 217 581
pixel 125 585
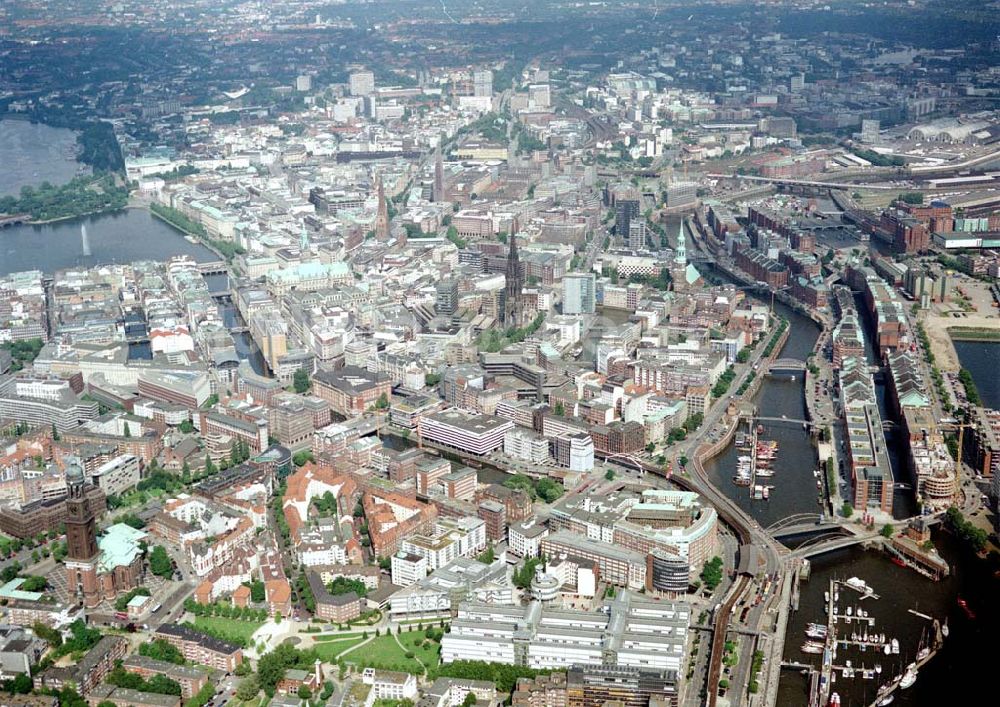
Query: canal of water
pixel 794 484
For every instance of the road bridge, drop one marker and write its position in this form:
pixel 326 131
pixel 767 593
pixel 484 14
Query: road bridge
pixel 215 267
pixel 787 364
pixel 14 220
pixel 791 420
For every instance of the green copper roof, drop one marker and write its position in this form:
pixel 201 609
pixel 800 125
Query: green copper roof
pixel 119 546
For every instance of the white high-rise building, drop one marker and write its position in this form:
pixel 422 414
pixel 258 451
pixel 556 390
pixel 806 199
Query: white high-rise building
pixel 540 94
pixel 362 83
pixel 482 83
pixel 579 293
pixel 869 131
pixel 303 83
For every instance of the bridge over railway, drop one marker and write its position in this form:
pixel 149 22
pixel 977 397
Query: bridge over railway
pixel 828 542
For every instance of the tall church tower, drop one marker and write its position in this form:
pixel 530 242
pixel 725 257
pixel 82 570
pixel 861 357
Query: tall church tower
pixel 683 273
pixel 513 307
pixel 82 553
pixel 382 216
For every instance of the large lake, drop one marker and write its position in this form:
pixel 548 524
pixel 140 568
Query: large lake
pixel 31 153
pixel 121 237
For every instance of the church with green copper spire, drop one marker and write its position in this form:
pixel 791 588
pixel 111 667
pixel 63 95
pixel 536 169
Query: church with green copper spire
pixel 683 273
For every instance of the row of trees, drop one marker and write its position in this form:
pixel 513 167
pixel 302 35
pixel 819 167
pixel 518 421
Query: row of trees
pixel 971 392
pixel 722 385
pixel 226 611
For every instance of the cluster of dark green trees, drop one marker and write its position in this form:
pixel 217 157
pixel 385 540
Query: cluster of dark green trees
pixel 343 585
pixel 711 573
pixel 81 195
pixel 493 340
pixel 544 488
pixel 22 352
pixel 158 684
pixel 975 536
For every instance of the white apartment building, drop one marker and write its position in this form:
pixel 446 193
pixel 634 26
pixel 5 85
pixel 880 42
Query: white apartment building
pixel 390 684
pixel 118 475
pixel 452 538
pixel 526 445
pixel 408 568
pixel 524 539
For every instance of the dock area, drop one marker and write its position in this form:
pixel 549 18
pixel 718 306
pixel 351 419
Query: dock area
pixel 856 631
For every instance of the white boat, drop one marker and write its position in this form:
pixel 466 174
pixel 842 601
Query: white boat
pixel 857 584
pixel 945 629
pixel 850 609
pixel 923 653
pixel 895 646
pixel 909 677
pixel 812 647
pixel 887 700
pixel 887 650
pixel 878 668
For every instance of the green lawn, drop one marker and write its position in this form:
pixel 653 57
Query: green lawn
pixel 429 654
pixel 222 627
pixel 384 653
pixel 329 650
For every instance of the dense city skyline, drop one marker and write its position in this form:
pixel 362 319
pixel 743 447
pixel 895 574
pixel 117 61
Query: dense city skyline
pixel 482 352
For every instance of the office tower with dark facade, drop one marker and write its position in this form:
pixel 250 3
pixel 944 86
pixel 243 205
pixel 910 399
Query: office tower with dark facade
pixel 446 301
pixel 625 211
